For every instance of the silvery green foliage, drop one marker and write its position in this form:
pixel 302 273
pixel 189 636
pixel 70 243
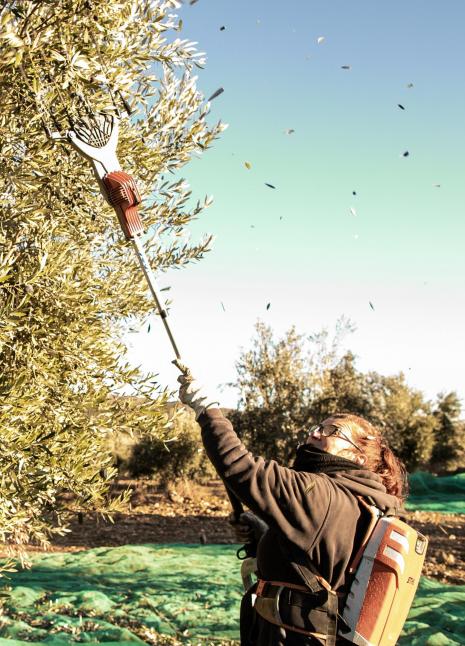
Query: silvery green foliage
pixel 69 283
pixel 287 385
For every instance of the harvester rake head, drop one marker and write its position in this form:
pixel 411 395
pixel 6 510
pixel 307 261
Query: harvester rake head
pixel 96 131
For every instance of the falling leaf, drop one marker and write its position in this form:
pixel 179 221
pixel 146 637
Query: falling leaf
pixel 320 39
pixel 371 305
pixel 409 85
pixel 148 329
pixel 224 309
pixel 193 1
pixel 270 185
pixel 353 211
pixel 222 28
pixel 354 192
pixel 248 165
pixel 268 306
pixel 219 91
pixel 400 106
pixel 345 67
pixel 289 131
pixel 437 185
pixel 406 153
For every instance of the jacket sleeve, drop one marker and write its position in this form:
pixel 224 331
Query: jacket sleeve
pixel 296 503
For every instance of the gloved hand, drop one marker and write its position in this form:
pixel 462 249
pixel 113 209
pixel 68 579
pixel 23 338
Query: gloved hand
pixel 249 528
pixel 190 393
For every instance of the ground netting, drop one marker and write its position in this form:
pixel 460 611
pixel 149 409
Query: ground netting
pixel 430 493
pixel 127 595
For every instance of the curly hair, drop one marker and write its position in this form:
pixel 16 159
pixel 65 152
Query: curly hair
pixel 379 456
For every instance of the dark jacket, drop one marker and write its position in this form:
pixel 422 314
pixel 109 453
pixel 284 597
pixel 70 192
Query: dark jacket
pixel 314 519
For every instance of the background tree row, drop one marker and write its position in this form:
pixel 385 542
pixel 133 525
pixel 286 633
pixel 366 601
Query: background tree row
pixel 285 386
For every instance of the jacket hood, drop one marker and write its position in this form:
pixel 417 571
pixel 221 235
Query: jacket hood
pixel 362 482
pixel 346 474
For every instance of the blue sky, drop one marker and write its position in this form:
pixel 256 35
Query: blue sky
pixel 299 246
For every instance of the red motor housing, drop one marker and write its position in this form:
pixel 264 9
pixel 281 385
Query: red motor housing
pixel 124 197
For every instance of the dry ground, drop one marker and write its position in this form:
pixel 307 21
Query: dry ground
pixel 194 513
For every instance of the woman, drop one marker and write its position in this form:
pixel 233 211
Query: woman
pixel 313 517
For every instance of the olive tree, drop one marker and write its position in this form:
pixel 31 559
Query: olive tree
pixel 279 382
pixel 449 439
pixel 69 284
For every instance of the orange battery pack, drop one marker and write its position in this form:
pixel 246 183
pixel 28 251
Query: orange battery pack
pixel 384 584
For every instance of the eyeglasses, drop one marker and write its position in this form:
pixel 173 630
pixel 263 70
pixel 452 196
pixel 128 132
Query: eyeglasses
pixel 330 429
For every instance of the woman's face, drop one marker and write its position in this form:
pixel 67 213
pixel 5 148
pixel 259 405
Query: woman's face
pixel 338 443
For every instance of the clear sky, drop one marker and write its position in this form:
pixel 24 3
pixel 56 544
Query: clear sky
pixel 310 247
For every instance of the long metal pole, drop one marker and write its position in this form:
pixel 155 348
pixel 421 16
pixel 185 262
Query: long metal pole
pixel 148 273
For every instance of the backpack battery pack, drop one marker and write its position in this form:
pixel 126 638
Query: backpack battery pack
pixel 386 578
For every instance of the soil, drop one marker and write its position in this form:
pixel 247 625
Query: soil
pixel 199 514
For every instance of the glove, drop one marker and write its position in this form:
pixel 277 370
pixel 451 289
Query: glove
pixel 249 528
pixel 190 393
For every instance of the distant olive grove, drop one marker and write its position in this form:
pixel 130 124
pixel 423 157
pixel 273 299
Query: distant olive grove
pixel 285 385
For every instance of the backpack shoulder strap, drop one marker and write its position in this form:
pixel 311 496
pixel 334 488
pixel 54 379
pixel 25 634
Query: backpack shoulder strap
pixel 375 515
pixel 390 511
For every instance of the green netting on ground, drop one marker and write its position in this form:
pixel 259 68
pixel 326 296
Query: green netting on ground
pixel 437 617
pixel 123 595
pixel 166 588
pixel 431 493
